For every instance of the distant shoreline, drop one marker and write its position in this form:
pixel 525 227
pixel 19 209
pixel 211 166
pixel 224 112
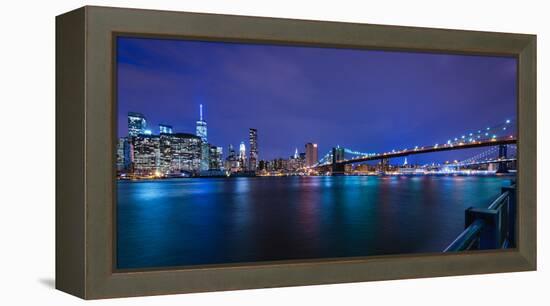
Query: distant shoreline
pixel 511 174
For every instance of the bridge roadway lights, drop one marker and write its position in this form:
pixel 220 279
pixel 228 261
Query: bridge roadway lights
pixel 502 153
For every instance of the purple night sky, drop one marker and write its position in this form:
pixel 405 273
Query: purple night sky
pixel 369 101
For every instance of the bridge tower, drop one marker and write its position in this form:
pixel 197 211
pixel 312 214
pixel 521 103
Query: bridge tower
pixel 337 167
pixel 502 154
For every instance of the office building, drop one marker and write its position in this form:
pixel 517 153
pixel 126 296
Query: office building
pixel 146 154
pixel 279 164
pixel 136 124
pixel 124 155
pixel 262 165
pixel 312 156
pixel 202 133
pixel 165 129
pixel 216 158
pixel 253 159
pixel 242 156
pixel 180 153
pixel 232 160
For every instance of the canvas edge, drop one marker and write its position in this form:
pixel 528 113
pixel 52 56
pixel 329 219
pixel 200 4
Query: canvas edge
pixel 527 153
pixel 70 223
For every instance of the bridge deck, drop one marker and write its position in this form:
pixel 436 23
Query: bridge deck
pixel 430 149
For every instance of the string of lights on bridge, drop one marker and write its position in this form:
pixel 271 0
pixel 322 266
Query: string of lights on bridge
pixel 501 131
pixel 490 154
pixel 487 156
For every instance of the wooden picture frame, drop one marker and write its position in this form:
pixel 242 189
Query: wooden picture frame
pixel 85 142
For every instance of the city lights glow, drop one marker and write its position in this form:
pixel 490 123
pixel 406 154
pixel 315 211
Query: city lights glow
pixel 296 165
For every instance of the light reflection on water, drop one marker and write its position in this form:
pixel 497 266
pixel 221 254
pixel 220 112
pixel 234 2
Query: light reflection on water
pixel 221 220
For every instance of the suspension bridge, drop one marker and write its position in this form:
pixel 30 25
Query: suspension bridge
pixel 498 137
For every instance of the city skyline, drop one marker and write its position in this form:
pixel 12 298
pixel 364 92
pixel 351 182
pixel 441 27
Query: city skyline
pixel 309 156
pixel 152 74
pixel 143 128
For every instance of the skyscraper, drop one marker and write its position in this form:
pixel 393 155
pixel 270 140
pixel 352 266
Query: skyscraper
pixel 216 156
pixel 242 150
pixel 232 160
pixel 253 160
pixel 165 129
pixel 146 154
pixel 205 148
pixel 136 124
pixel 312 154
pixel 242 155
pixel 201 128
pixel 124 151
pixel 180 152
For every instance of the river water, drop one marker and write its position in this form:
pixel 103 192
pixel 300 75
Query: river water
pixel 192 221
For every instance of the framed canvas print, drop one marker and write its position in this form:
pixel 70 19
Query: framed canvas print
pixel 200 152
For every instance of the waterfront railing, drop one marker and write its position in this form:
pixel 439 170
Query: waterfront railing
pixel 493 227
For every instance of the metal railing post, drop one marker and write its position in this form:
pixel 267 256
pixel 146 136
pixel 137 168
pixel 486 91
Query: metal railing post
pixel 512 214
pixel 490 235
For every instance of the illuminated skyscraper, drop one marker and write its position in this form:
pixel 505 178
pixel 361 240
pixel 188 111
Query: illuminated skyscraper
pixel 180 153
pixel 136 124
pixel 242 150
pixel 124 155
pixel 231 151
pixel 232 160
pixel 205 148
pixel 201 128
pixel 216 155
pixel 312 156
pixel 165 129
pixel 242 156
pixel 253 160
pixel 146 154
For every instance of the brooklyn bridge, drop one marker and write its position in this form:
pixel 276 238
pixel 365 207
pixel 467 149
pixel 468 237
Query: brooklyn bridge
pixel 499 138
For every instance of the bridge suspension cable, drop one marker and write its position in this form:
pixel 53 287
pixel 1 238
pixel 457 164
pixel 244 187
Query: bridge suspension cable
pixel 504 132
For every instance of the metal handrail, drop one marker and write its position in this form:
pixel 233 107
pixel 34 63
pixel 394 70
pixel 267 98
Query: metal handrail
pixel 467 238
pixel 476 235
pixel 499 201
